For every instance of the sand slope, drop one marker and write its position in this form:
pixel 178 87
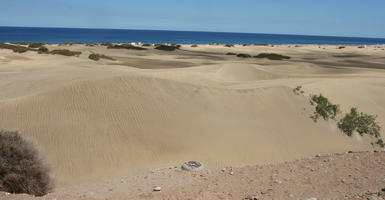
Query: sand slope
pixel 97 120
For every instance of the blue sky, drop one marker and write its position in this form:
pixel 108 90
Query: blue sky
pixel 365 18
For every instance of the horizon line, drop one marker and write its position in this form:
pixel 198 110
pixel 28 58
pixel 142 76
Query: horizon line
pixel 287 34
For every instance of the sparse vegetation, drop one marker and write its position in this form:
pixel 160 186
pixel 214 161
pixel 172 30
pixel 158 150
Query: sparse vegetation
pixel 298 90
pixel 22 168
pixel 146 45
pixel 194 45
pixel 324 108
pixel 68 43
pixel 229 45
pixel 243 55
pixel 360 47
pixel 272 56
pixel 261 44
pixel 231 54
pixel 360 122
pixel 341 47
pixel 163 47
pixel 65 52
pixel 14 48
pixel 97 57
pixel 35 45
pixel 124 46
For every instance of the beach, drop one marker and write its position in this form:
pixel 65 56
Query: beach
pixel 146 109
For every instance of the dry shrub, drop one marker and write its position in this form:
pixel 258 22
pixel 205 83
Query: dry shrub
pixel 22 167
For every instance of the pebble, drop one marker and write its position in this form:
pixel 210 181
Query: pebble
pixel 326 171
pixel 343 180
pixel 223 169
pixel 318 155
pixel 312 198
pixel 312 169
pixel 157 189
pixel 92 193
pixel 355 178
pixel 231 173
pixel 291 195
pixel 286 179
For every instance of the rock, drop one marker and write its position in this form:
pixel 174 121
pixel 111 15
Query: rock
pixel 312 198
pixel 286 179
pixel 223 169
pixel 355 178
pixel 252 198
pixel 291 195
pixel 231 173
pixel 312 169
pixel 193 166
pixel 326 171
pixel 318 155
pixel 157 189
pixel 343 180
pixel 92 193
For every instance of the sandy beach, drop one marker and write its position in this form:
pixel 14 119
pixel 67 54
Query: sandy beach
pixel 102 120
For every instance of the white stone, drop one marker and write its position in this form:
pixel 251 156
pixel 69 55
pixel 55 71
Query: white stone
pixel 157 188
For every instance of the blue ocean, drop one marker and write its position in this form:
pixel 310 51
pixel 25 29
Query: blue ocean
pixel 81 35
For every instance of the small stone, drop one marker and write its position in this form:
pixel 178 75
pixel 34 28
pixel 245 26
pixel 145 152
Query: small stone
pixel 92 193
pixel 312 169
pixel 291 195
pixel 343 180
pixel 326 171
pixel 193 166
pixel 223 169
pixel 355 178
pixel 286 179
pixel 312 198
pixel 121 181
pixel 231 173
pixel 277 181
pixel 318 155
pixel 157 189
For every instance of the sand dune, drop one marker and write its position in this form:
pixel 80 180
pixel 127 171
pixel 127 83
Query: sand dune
pixel 98 120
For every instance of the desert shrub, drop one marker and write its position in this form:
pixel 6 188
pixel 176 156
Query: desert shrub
pixel 245 45
pixel 42 50
pixel 324 108
pixel 271 56
pixel 125 46
pixel 22 168
pixel 261 44
pixel 360 122
pixel 360 47
pixel 214 44
pixel 341 47
pixel 229 45
pixel 243 55
pixel 14 48
pixel 97 57
pixel 231 54
pixel 167 47
pixel 298 90
pixel 106 44
pixel 35 45
pixel 65 52
pixel 194 45
pixel 146 45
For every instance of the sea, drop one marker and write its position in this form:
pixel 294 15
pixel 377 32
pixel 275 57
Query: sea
pixel 88 35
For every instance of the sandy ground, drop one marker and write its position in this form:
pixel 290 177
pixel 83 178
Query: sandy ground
pixel 337 176
pixel 147 109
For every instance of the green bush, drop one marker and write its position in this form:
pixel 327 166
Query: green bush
pixel 272 56
pixel 124 46
pixel 360 122
pixel 163 47
pixel 43 50
pixel 243 55
pixel 35 45
pixel 65 52
pixel 324 108
pixel 97 57
pixel 22 168
pixel 380 142
pixel 68 43
pixel 229 45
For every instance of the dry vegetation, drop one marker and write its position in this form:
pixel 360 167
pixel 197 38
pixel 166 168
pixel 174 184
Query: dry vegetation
pixel 22 168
